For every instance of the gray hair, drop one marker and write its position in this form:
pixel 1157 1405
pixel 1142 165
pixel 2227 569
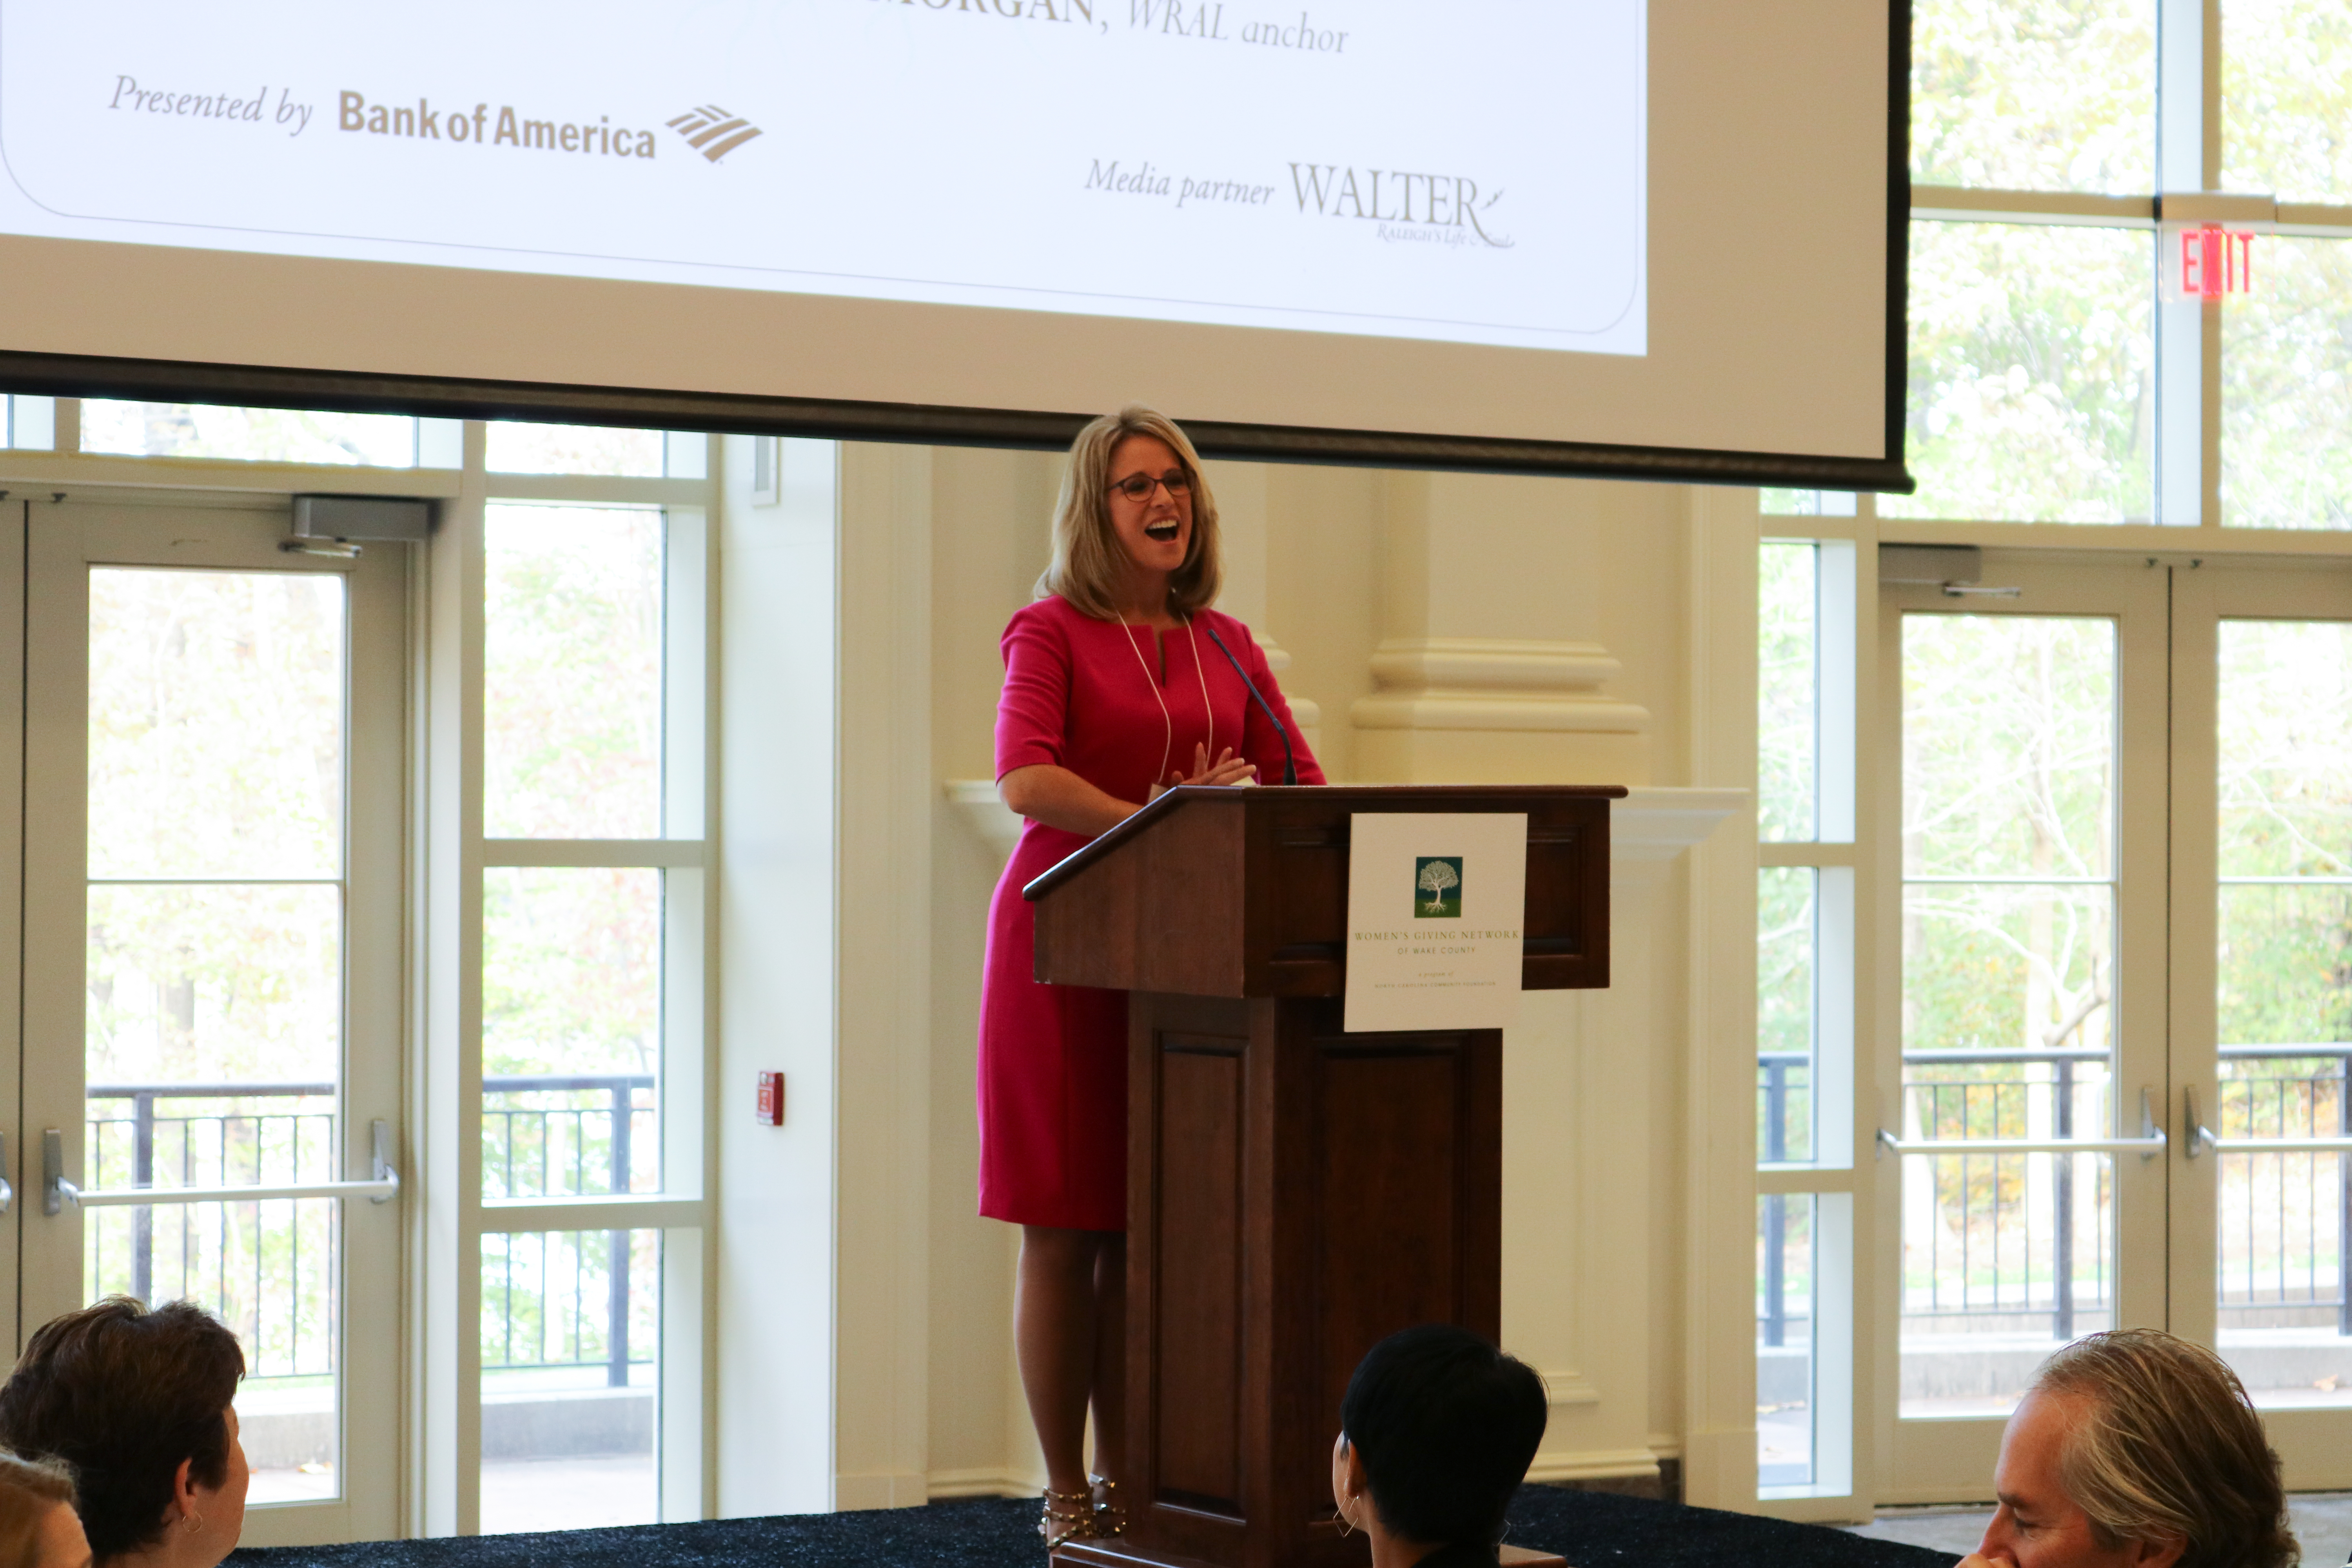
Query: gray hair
pixel 2166 1446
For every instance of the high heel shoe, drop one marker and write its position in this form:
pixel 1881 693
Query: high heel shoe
pixel 1110 1514
pixel 1068 1516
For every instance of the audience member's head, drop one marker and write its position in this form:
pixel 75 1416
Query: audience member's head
pixel 137 1403
pixel 1435 1434
pixel 2135 1449
pixel 38 1528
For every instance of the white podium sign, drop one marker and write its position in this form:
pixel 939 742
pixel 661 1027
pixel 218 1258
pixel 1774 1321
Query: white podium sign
pixel 1436 911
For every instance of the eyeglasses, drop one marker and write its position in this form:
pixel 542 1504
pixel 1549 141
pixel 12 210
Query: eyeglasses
pixel 1138 487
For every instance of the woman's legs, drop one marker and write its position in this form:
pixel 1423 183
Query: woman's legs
pixel 1069 1331
pixel 1111 1356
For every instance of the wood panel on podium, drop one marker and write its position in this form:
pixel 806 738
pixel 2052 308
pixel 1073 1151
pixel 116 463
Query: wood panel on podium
pixel 1295 1192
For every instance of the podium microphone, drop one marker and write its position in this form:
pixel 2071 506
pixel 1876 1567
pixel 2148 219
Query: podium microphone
pixel 1289 759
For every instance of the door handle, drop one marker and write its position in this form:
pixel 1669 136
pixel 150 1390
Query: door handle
pixel 2200 1136
pixel 386 1161
pixel 2150 1142
pixel 56 1191
pixel 380 1187
pixel 7 1192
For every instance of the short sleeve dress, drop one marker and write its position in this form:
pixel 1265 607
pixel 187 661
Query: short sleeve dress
pixel 1086 695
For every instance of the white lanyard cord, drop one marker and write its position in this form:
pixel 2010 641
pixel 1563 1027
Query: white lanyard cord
pixel 1167 720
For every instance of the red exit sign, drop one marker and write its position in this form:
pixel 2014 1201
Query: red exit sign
pixel 2211 261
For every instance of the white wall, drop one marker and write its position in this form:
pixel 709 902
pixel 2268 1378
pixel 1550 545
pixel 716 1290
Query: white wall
pixel 775 1234
pixel 992 510
pixel 882 972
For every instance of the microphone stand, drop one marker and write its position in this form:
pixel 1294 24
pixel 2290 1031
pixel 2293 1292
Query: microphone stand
pixel 1290 758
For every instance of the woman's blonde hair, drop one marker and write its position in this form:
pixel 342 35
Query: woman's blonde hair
pixel 1088 560
pixel 30 1490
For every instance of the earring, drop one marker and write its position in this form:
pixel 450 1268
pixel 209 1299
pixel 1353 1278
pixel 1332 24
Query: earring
pixel 194 1521
pixel 1346 1525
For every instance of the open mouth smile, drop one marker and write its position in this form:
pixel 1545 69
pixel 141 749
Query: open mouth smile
pixel 1162 532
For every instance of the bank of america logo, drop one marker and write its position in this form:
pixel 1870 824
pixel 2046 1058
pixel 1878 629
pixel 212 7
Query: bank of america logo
pixel 714 131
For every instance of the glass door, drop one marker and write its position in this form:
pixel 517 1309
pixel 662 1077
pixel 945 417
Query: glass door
pixel 2125 995
pixel 2031 991
pixel 2263 993
pixel 214 1014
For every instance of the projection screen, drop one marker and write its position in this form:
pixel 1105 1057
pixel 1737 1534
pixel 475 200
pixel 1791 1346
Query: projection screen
pixel 1547 234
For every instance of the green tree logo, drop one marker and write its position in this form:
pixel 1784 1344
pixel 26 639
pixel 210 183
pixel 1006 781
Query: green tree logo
pixel 1438 880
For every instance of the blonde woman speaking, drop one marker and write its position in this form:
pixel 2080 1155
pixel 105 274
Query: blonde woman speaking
pixel 1120 681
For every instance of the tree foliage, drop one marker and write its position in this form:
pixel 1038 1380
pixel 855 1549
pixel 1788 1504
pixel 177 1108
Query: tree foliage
pixel 571 682
pixel 1786 690
pixel 519 449
pixel 2032 393
pixel 2046 95
pixel 2287 99
pixel 248 434
pixel 2007 806
pixel 2284 744
pixel 215 750
pixel 2287 387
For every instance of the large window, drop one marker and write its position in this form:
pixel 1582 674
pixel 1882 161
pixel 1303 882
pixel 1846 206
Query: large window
pixel 2104 1069
pixel 2009 972
pixel 1804 958
pixel 296 901
pixel 2283 993
pixel 2056 376
pixel 591 919
pixel 265 435
pixel 217 996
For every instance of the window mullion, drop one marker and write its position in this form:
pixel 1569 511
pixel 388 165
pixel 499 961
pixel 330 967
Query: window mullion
pixel 2188 361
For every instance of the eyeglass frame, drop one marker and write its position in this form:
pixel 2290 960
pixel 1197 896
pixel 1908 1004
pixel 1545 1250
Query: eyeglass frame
pixel 1175 481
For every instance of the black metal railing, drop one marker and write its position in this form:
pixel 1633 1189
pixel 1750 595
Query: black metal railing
pixel 268 1270
pixel 2286 1223
pixel 1775 1070
pixel 563 1140
pixel 2276 1239
pixel 1987 1208
pixel 269 1275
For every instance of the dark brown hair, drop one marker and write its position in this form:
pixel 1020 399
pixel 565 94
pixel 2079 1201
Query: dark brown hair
pixel 1447 1426
pixel 2167 1447
pixel 30 1490
pixel 123 1396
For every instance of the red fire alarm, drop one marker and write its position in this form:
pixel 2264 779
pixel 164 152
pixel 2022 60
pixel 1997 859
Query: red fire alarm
pixel 772 1099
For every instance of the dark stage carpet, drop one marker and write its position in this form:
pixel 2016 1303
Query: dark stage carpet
pixel 1589 1529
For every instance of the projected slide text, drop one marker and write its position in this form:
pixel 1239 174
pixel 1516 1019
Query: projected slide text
pixel 1469 174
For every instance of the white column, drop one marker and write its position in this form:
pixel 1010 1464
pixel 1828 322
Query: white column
pixel 1243 508
pixel 773 1221
pixel 1717 1170
pixel 1486 672
pixel 882 892
pixel 1581 1237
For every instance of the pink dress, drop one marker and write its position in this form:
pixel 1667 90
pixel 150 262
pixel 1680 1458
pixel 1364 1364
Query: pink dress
pixel 1079 694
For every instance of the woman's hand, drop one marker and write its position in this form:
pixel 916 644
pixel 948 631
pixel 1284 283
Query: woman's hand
pixel 1228 769
pixel 1060 798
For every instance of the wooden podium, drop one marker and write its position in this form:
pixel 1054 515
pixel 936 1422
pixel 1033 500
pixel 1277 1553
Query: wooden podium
pixel 1295 1192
